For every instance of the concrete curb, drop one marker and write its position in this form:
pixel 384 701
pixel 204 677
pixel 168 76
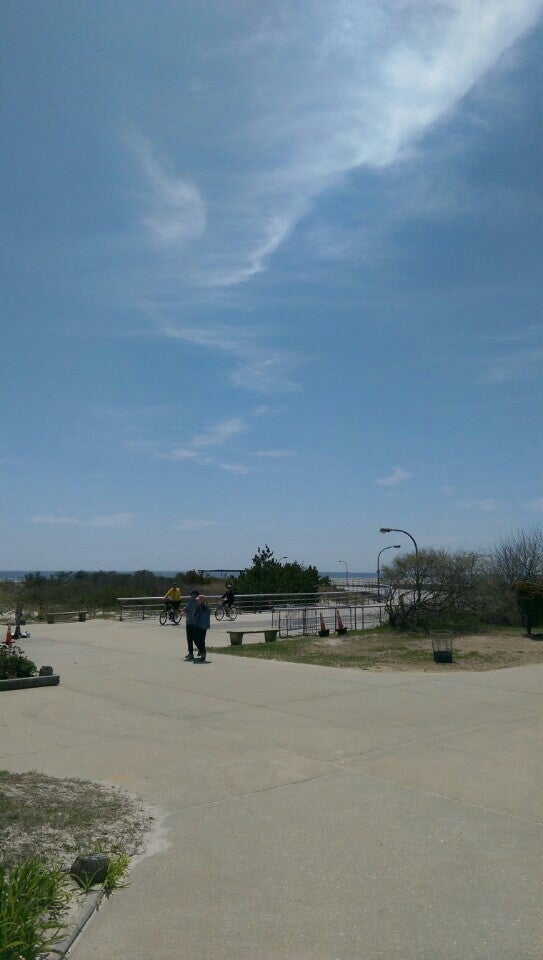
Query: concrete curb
pixel 21 683
pixel 91 904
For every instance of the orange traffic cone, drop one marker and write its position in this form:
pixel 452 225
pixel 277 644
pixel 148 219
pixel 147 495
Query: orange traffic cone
pixel 323 632
pixel 9 639
pixel 340 629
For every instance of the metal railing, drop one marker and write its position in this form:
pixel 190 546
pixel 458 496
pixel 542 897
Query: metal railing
pixel 260 602
pixel 139 606
pixel 308 621
pixel 142 607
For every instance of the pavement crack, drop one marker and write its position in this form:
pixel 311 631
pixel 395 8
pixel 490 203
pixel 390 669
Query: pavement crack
pixel 250 793
pixel 445 796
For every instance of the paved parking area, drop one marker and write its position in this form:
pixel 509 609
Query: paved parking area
pixel 309 813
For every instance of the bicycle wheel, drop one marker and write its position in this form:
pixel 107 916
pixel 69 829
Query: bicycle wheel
pixel 219 613
pixel 232 613
pixel 163 616
pixel 176 616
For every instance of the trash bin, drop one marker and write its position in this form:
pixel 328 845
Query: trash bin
pixel 442 647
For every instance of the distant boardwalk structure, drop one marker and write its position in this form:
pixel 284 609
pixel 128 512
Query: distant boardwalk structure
pixel 354 581
pixel 220 573
pixel 358 584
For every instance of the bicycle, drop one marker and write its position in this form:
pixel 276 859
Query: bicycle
pixel 223 610
pixel 168 613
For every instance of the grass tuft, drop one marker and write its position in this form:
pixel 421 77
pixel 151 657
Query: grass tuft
pixel 33 899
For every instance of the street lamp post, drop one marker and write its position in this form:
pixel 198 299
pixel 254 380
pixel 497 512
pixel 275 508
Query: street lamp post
pixel 395 546
pixel 417 571
pixel 346 573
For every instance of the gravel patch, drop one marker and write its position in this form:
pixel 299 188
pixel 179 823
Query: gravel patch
pixel 55 819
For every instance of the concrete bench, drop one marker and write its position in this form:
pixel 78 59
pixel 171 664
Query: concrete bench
pixel 65 614
pixel 236 636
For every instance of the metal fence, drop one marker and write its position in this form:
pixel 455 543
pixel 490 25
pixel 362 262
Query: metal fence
pixel 140 607
pixel 144 607
pixel 308 621
pixel 260 602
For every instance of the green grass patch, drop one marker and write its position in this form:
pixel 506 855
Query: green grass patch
pixel 384 648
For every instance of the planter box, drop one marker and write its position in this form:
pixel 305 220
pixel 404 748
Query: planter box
pixel 22 683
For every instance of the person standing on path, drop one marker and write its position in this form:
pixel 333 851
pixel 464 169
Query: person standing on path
pixel 189 611
pixel 202 618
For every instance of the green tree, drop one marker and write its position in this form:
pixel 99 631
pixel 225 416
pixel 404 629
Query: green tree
pixel 529 597
pixel 269 575
pixel 194 577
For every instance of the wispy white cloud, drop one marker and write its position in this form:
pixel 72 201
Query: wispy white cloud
pixel 177 211
pixel 112 521
pixel 517 365
pixel 273 454
pixel 365 82
pixel 234 467
pixel 194 524
pixel 266 410
pixel 531 332
pixel 486 503
pixel 60 521
pixel 186 453
pixel 259 368
pixel 219 433
pixel 398 475
pixel 195 450
pixel 535 505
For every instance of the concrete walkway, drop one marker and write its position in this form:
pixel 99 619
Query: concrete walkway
pixel 311 813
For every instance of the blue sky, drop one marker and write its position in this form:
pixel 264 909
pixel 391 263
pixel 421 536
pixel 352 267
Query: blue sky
pixel 272 274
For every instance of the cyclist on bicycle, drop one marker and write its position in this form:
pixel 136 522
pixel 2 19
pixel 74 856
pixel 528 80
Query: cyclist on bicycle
pixel 228 597
pixel 172 600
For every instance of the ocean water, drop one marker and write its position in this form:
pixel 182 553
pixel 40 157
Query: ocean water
pixel 336 574
pixel 353 574
pixel 17 574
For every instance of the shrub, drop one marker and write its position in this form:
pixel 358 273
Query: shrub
pixel 434 589
pixel 268 575
pixel 33 898
pixel 530 599
pixel 14 663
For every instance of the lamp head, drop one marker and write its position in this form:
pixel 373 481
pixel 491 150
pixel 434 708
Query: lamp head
pixel 385 530
pixel 397 546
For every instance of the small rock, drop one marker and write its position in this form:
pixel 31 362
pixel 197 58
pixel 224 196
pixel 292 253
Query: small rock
pixel 90 869
pixel 46 672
